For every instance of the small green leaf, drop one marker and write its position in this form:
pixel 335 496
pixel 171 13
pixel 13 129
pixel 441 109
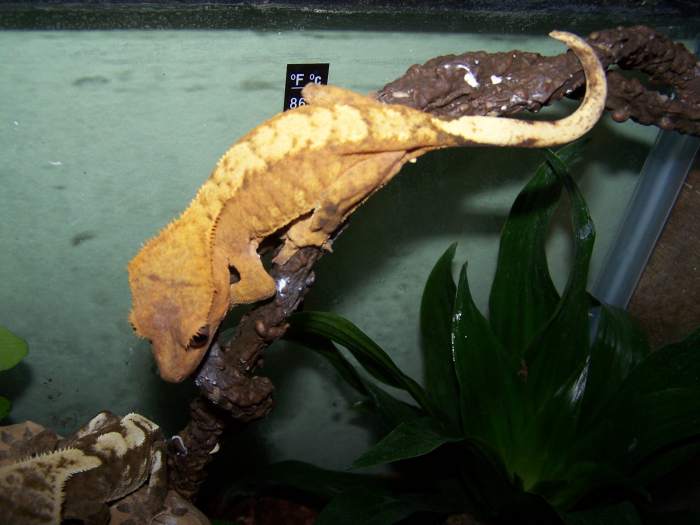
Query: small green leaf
pixel 5 407
pixel 12 349
pixel 370 355
pixel 367 507
pixel 408 440
pixel 486 374
pixel 435 326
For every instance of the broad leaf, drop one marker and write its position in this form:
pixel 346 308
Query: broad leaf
pixel 486 374
pixel 654 420
pixel 674 365
pixel 327 349
pixel 557 355
pixel 12 349
pixel 5 407
pixel 523 296
pixel 656 406
pixel 370 355
pixel 435 326
pixel 408 440
pixel 618 347
pixel 392 410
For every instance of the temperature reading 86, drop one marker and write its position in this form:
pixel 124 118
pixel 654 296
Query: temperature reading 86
pixel 298 76
pixel 295 102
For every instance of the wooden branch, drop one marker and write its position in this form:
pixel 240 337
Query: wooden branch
pixel 506 83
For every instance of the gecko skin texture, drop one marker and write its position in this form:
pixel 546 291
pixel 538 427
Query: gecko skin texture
pixel 299 176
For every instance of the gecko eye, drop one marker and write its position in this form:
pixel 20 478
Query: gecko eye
pixel 200 338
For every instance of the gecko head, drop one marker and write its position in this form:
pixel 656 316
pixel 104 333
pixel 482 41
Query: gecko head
pixel 175 319
pixel 177 348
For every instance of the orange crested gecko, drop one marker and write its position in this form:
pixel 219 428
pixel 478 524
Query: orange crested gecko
pixel 299 176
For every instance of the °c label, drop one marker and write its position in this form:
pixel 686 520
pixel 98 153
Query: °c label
pixel 298 75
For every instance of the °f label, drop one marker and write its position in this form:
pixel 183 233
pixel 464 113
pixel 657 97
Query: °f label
pixel 298 75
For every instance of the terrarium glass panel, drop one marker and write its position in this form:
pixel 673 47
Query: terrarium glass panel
pixel 105 136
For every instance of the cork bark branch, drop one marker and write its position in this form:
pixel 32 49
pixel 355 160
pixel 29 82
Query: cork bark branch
pixel 474 83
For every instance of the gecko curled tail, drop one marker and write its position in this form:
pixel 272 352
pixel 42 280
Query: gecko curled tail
pixel 538 134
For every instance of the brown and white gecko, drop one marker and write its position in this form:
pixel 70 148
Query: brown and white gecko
pixel 299 176
pixel 77 478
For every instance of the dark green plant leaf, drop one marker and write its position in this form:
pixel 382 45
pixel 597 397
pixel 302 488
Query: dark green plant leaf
pixel 486 374
pixel 656 406
pixel 392 410
pixel 663 462
pixel 485 481
pixel 435 326
pixel 12 349
pixel 673 366
pixel 408 440
pixel 5 407
pixel 621 514
pixel 618 347
pixel 579 479
pixel 557 356
pixel 367 507
pixel 318 481
pixel 373 359
pixel 327 350
pixel 654 420
pixel 523 296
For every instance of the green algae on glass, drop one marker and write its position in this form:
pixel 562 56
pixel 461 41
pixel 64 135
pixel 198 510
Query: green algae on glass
pixel 523 418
